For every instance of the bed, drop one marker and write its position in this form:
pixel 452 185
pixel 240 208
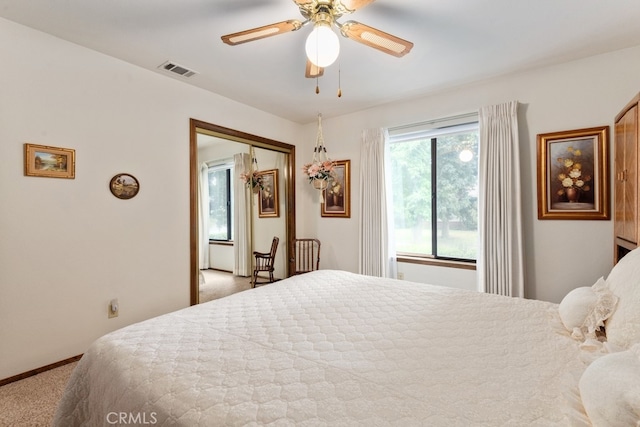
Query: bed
pixel 337 348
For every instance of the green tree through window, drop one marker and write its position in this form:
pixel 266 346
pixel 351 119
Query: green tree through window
pixel 434 185
pixel 220 203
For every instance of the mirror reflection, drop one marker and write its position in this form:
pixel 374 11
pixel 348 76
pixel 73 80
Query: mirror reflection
pixel 223 222
pixel 269 219
pixel 240 211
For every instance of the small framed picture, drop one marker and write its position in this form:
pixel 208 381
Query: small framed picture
pixel 337 195
pixel 49 162
pixel 124 186
pixel 573 168
pixel 268 204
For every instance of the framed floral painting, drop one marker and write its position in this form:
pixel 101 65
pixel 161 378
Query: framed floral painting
pixel 337 195
pixel 573 169
pixel 268 204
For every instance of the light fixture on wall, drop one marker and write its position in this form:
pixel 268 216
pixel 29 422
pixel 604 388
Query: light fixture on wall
pixel 321 168
pixel 322 46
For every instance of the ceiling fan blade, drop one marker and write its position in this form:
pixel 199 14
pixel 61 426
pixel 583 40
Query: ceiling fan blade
pixel 312 70
pixel 376 39
pixel 261 32
pixel 353 5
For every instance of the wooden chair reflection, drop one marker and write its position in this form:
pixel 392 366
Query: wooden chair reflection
pixel 305 255
pixel 264 262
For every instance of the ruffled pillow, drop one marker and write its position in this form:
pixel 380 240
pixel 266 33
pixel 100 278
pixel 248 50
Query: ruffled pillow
pixel 585 309
pixel 623 327
pixel 610 389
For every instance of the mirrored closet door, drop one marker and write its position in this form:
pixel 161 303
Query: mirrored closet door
pixel 242 196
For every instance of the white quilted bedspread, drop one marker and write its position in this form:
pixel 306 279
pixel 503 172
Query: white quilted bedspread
pixel 332 348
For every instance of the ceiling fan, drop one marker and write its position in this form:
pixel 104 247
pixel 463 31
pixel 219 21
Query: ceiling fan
pixel 322 44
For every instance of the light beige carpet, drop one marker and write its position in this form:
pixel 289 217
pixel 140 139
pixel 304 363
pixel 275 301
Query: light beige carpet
pixel 219 284
pixel 32 402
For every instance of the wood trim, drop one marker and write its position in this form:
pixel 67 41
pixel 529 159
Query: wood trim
pixel 625 244
pixel 39 370
pixel 220 243
pixel 193 212
pixel 236 135
pixel 220 269
pixel 627 107
pixel 437 262
pixel 290 179
pixel 626 160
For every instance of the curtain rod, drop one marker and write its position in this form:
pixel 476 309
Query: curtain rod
pixel 435 121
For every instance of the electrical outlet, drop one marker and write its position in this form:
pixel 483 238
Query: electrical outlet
pixel 114 308
pixel 400 275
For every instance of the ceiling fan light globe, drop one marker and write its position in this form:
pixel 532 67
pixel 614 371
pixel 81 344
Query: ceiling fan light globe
pixel 323 46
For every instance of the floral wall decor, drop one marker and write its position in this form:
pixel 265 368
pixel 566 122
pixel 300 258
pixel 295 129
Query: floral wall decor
pixel 573 168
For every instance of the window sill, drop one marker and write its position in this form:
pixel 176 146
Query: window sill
pixel 436 262
pixel 220 242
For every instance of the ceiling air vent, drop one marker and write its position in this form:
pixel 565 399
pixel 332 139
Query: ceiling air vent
pixel 177 69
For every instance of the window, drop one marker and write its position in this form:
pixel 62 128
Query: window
pixel 434 175
pixel 220 202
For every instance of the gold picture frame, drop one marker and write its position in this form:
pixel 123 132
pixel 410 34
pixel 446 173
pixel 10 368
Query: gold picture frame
pixel 124 186
pixel 573 174
pixel 337 196
pixel 268 202
pixel 49 162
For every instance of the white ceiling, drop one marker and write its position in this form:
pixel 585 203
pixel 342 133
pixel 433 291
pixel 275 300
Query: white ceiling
pixel 455 42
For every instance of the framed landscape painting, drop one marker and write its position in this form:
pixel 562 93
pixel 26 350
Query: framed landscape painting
pixel 573 168
pixel 124 186
pixel 49 162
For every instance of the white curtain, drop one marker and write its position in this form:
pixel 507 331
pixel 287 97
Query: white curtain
pixel 376 255
pixel 203 216
pixel 500 260
pixel 242 217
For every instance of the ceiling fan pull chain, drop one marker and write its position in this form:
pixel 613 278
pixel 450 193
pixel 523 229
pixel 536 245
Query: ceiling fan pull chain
pixel 339 81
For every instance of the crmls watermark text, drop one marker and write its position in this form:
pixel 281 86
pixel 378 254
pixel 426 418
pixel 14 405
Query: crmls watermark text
pixel 137 418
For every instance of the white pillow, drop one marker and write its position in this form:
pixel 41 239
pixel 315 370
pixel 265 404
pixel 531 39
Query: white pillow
pixel 610 389
pixel 584 309
pixel 623 327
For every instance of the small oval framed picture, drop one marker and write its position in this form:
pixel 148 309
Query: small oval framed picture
pixel 124 186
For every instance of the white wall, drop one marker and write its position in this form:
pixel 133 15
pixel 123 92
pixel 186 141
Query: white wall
pixel 221 257
pixel 67 247
pixel 438 275
pixel 559 255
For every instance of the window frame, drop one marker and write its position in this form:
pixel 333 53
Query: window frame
pixel 229 171
pixel 430 131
